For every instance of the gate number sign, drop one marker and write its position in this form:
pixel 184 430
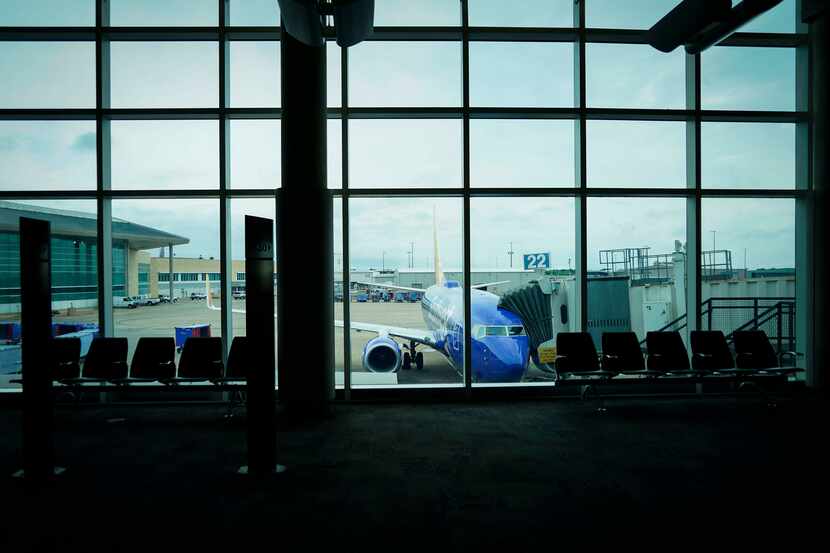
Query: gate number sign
pixel 537 261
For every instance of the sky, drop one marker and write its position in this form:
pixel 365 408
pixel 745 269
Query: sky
pixel 58 155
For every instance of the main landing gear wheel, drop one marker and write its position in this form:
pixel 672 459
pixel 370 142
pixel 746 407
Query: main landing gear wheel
pixel 419 360
pixel 407 361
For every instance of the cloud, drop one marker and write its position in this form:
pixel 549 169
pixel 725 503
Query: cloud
pixel 85 142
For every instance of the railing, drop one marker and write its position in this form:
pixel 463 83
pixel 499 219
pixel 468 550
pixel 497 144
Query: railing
pixel 774 315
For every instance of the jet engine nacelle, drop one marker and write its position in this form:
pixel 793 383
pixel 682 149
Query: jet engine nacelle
pixel 381 355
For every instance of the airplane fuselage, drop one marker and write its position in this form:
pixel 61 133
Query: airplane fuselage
pixel 498 355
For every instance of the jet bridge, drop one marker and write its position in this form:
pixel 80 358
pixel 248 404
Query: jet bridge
pixel 533 306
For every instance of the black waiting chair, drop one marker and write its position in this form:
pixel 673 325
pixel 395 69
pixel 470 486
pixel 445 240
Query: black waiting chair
pixel 237 369
pixel 66 358
pixel 621 354
pixel 105 361
pixel 201 360
pixel 710 352
pixel 154 360
pixel 667 354
pixel 754 353
pixel 577 362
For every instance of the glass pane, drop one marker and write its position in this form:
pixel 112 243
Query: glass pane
pixel 47 155
pixel 517 241
pixel 337 276
pixel 240 207
pixel 636 265
pixel 528 13
pixel 631 14
pixel 334 96
pixel 165 155
pixel 636 154
pixel 432 13
pixel 41 75
pixel 164 13
pixel 748 267
pixel 780 19
pixel 748 155
pixel 142 230
pixel 634 76
pixel 544 72
pixel 74 275
pixel 405 74
pixel 521 153
pixel 164 75
pixel 254 13
pixel 334 135
pixel 381 232
pixel 422 153
pixel 741 78
pixel 255 74
pixel 47 13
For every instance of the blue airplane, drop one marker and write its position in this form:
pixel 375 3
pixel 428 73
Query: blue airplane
pixel 500 345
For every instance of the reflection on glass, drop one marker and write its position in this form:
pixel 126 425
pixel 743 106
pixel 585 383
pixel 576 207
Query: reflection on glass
pixel 743 78
pixel 164 74
pixel 528 13
pixel 163 13
pixel 43 75
pixel 405 74
pixel 423 153
pixel 631 14
pixel 526 74
pixel 748 267
pixel 255 74
pixel 407 314
pixel 634 76
pixel 431 13
pixel 516 241
pixel 636 154
pixel 748 155
pixel 165 155
pixel 636 265
pixel 521 153
pixel 143 232
pixel 47 13
pixel 47 155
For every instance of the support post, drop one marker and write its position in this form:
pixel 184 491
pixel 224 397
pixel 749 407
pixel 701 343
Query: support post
pixel 304 235
pixel 36 299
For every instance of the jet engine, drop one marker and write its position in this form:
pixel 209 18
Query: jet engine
pixel 381 355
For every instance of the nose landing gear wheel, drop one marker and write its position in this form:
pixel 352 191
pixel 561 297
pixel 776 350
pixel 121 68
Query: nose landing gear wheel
pixel 419 361
pixel 407 361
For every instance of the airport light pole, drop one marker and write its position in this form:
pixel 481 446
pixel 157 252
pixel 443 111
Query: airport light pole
pixel 510 252
pixel 713 239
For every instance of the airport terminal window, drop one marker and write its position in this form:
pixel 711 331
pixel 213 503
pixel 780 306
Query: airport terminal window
pixel 47 75
pixel 521 153
pixel 425 74
pixel 636 154
pixel 47 155
pixel 522 175
pixel 634 76
pixel 748 155
pixel 530 13
pixel 159 155
pixel 544 69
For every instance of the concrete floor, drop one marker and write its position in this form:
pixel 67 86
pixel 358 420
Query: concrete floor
pixel 520 475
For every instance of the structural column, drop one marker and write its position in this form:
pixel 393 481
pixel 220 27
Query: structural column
pixel 305 306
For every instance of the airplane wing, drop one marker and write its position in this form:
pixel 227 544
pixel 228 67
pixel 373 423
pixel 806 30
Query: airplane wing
pixel 486 284
pixel 389 286
pixel 426 337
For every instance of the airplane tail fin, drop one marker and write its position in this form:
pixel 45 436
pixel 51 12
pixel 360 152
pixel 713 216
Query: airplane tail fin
pixel 439 273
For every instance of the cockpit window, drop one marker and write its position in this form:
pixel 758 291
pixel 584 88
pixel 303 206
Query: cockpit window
pixel 516 330
pixel 498 330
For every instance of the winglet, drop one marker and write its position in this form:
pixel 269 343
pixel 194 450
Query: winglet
pixel 439 273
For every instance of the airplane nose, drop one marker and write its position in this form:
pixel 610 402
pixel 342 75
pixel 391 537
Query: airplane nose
pixel 507 360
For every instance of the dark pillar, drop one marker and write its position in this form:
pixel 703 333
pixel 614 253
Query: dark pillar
pixel 38 408
pixel 305 307
pixel 259 309
pixel 818 42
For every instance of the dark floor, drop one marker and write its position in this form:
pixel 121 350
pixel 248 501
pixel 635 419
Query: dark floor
pixel 521 474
